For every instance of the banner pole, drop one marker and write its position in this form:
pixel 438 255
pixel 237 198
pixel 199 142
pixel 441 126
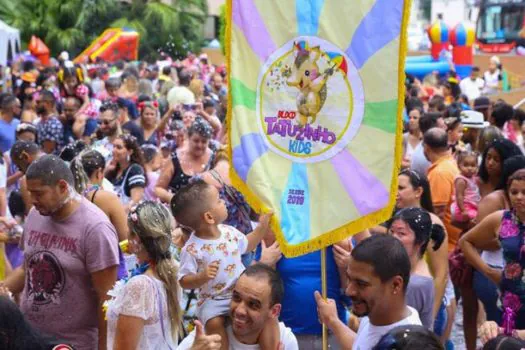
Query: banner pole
pixel 324 293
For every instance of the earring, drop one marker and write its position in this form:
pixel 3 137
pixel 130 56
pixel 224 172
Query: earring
pixel 128 157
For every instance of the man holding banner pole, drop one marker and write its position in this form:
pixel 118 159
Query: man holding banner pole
pixel 378 273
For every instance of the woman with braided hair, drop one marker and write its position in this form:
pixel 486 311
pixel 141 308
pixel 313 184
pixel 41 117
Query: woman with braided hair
pixel 145 312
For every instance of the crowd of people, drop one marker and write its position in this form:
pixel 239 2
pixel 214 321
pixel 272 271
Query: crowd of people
pixel 120 228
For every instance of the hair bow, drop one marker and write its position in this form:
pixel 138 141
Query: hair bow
pixel 145 104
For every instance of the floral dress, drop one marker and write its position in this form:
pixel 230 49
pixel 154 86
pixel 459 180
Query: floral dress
pixel 512 286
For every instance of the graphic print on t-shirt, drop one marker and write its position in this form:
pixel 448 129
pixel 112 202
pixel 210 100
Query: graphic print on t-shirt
pixel 46 278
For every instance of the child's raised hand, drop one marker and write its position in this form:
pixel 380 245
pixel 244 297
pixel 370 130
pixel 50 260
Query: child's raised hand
pixel 211 270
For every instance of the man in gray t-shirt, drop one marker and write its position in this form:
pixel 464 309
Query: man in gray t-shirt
pixel 70 258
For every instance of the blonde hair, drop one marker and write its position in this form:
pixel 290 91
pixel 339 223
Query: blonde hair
pixel 430 79
pixel 166 87
pixel 221 155
pixel 131 84
pixel 197 86
pixel 487 136
pixel 151 222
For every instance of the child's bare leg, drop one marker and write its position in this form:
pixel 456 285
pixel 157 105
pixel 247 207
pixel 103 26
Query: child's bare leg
pixel 270 337
pixel 217 325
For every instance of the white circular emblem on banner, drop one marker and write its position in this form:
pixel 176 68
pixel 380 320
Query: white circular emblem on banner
pixel 310 100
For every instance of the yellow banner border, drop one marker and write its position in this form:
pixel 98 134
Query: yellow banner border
pixel 353 227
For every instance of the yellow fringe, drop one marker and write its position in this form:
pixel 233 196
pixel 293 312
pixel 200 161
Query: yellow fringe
pixel 358 225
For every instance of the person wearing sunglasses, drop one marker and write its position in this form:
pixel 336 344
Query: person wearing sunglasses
pixel 109 128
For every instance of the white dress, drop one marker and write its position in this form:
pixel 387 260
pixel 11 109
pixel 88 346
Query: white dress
pixel 139 297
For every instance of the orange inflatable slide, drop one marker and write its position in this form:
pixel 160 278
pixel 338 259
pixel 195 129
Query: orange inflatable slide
pixel 112 45
pixel 40 50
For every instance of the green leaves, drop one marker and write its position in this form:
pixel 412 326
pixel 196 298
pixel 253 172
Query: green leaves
pixel 72 25
pixel 222 29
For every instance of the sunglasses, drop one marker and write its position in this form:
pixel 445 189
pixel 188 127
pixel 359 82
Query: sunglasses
pixel 106 121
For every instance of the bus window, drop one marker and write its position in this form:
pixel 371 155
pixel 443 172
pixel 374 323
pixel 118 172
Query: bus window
pixel 500 23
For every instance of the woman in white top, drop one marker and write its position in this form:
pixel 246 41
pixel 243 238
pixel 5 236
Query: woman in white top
pixel 145 312
pixel 492 77
pixel 413 136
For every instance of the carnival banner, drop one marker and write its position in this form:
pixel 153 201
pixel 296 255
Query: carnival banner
pixel 314 113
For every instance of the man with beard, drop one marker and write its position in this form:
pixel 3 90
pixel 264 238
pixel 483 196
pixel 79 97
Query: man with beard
pixel 77 126
pixel 216 88
pixel 70 263
pixel 378 273
pixel 109 129
pixel 10 110
pixel 49 130
pixel 256 301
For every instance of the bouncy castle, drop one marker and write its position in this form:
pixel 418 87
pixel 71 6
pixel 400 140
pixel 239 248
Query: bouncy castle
pixel 461 37
pixel 112 45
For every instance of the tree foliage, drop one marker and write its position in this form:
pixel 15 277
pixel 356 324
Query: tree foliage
pixel 222 30
pixel 72 25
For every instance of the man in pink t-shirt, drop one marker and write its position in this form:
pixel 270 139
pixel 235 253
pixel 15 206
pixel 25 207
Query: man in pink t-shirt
pixel 70 258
